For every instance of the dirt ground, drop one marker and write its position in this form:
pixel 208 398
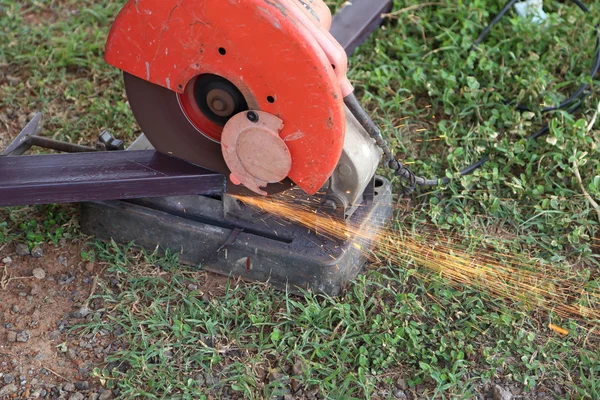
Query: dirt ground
pixel 44 295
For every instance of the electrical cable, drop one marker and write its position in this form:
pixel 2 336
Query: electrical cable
pixel 413 180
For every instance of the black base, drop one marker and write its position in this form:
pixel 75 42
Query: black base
pixel 256 248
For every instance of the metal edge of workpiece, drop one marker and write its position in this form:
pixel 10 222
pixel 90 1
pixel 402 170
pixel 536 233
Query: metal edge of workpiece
pixel 356 20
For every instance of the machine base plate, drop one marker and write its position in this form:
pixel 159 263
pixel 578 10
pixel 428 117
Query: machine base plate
pixel 257 247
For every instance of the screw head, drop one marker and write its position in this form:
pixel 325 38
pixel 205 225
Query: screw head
pixel 252 116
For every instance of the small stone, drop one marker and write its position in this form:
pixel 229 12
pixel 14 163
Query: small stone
pixel 191 287
pixel 12 336
pixel 83 372
pixel 62 260
pixel 399 394
pixel 22 294
pixel 77 396
pixel 106 395
pixel 8 325
pixel 89 267
pixel 15 308
pixel 54 335
pixel 81 313
pixel 7 260
pixel 82 385
pixel 401 382
pixel 23 336
pixel 8 378
pixel 65 279
pixel 499 393
pixel 69 387
pixel 39 273
pixel 8 390
pixel 22 249
pixel 35 290
pixel 37 252
pixel 37 394
pixel 72 353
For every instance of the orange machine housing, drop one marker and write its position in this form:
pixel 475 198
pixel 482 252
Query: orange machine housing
pixel 284 63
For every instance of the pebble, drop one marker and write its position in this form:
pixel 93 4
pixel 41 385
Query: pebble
pixel 89 267
pixel 8 325
pixel 39 273
pixel 23 336
pixel 37 252
pixel 69 387
pixel 81 313
pixel 191 287
pixel 65 279
pixel 77 396
pixel 82 385
pixel 62 260
pixel 8 390
pixel 12 336
pixel 107 395
pixel 15 308
pixel 8 378
pixel 22 249
pixel 54 335
pixel 35 290
pixel 399 394
pixel 72 353
pixel 83 372
pixel 7 260
pixel 500 393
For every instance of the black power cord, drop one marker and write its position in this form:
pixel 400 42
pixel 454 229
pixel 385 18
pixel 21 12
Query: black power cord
pixel 412 180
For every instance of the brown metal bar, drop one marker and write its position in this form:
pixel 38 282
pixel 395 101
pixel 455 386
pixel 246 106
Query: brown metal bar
pixel 58 145
pixel 353 24
pixel 77 177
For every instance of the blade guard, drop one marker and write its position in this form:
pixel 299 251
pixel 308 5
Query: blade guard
pixel 283 61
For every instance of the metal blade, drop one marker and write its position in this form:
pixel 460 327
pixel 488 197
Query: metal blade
pixel 162 120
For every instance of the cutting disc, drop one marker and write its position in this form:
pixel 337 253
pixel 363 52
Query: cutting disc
pixel 159 113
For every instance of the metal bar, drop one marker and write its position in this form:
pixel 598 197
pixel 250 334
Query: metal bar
pixel 353 24
pixel 77 177
pixel 58 145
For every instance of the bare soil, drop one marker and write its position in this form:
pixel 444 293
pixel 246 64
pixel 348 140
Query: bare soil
pixel 40 355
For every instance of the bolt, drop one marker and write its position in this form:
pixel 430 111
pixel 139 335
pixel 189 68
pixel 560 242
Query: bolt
pixel 330 206
pixel 219 105
pixel 252 116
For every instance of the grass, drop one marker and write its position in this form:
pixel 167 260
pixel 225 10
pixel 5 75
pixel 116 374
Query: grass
pixel 442 106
